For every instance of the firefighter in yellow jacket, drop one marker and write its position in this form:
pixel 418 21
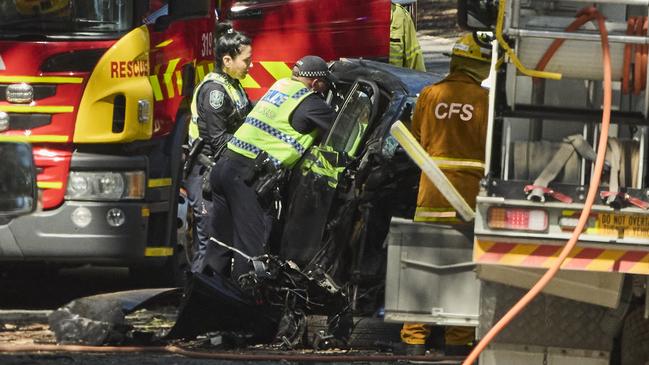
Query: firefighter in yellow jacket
pixel 404 46
pixel 450 122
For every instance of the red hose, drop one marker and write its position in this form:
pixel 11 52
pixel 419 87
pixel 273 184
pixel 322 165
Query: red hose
pixel 236 356
pixel 583 218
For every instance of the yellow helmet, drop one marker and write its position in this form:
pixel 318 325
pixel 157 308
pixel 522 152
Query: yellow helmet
pixel 35 7
pixel 469 48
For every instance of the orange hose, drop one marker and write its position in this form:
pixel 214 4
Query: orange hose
pixel 584 16
pixel 637 69
pixel 583 218
pixel 635 26
pixel 628 51
pixel 645 49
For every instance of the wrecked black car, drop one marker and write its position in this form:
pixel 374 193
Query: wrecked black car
pixel 326 256
pixel 326 253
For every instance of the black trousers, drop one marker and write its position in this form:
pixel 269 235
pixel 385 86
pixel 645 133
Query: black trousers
pixel 202 210
pixel 250 221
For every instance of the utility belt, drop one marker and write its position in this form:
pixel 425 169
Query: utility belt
pixel 196 156
pixel 207 161
pixel 266 178
pixel 192 156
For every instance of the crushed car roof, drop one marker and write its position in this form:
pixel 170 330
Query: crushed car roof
pixel 389 77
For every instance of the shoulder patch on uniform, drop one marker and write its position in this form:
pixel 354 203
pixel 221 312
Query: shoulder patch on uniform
pixel 216 99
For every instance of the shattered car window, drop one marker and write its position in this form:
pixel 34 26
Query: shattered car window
pixel 352 122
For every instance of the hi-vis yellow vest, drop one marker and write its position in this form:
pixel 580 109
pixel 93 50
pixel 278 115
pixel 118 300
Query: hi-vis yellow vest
pixel 404 46
pixel 236 94
pixel 267 127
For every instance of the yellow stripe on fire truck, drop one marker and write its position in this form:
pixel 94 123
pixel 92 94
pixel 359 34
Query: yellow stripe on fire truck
pixel 543 255
pixel 167 80
pixel 36 109
pixel 170 83
pixel 169 73
pixel 42 79
pixel 49 184
pixel 33 138
pixel 158 251
pixel 164 43
pixel 278 70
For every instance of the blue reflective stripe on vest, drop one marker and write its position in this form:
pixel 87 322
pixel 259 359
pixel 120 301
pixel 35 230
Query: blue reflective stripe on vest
pixel 275 133
pixel 248 147
pixel 299 93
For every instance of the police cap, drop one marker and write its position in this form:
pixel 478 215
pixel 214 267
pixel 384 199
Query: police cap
pixel 314 67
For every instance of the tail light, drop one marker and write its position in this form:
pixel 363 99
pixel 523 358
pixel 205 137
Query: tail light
pixel 518 219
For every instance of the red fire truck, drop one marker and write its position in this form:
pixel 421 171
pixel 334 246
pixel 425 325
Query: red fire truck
pixel 101 89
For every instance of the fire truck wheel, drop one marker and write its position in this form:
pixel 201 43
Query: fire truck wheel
pixel 365 334
pixel 635 336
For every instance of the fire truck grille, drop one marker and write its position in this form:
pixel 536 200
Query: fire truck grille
pixel 40 91
pixel 18 121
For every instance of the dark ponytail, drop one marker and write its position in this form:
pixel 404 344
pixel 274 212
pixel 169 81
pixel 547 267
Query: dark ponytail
pixel 228 42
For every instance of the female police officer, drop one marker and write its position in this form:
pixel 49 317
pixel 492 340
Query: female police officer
pixel 219 106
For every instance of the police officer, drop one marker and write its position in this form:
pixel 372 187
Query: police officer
pixel 218 107
pixel 281 127
pixel 450 122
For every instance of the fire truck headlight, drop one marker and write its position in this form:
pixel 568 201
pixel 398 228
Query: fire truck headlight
pixel 78 185
pixel 98 185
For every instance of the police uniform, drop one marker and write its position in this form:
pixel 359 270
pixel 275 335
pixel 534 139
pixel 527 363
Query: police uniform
pixel 219 106
pixel 404 46
pixel 284 124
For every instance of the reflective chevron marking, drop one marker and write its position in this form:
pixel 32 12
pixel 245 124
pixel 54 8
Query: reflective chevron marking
pixel 278 70
pixel 580 258
pixel 250 83
pixel 179 82
pixel 169 72
pixel 164 43
pixel 157 91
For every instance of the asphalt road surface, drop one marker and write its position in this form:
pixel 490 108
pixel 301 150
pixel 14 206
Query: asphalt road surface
pixel 48 289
